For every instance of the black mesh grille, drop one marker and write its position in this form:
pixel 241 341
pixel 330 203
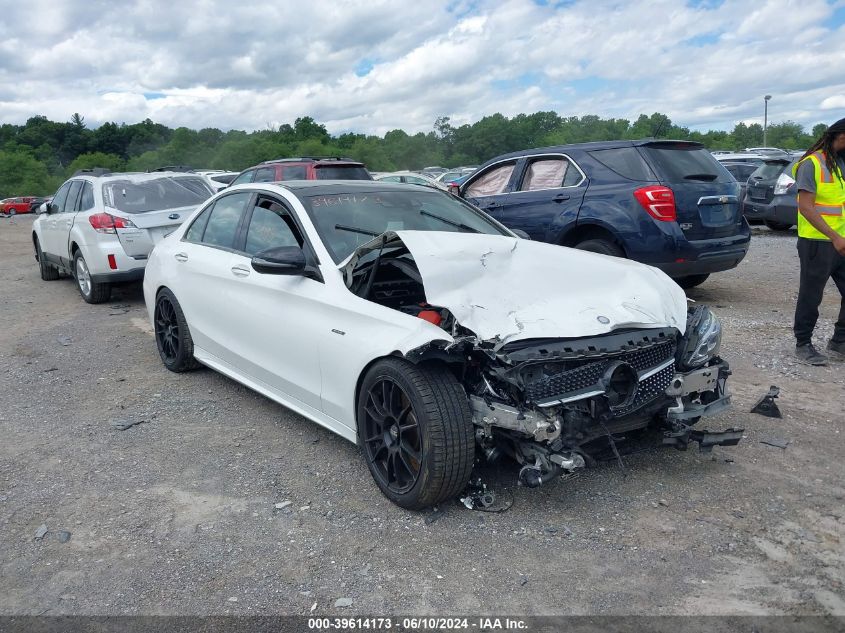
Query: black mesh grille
pixel 573 377
pixel 649 389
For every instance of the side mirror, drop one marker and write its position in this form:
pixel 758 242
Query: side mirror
pixel 454 189
pixel 42 208
pixel 521 234
pixel 282 260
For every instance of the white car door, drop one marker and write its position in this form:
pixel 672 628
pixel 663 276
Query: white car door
pixel 274 321
pixel 56 225
pixel 203 283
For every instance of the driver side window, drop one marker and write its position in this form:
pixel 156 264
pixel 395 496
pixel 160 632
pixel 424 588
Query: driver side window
pixel 492 182
pixel 58 202
pixel 270 226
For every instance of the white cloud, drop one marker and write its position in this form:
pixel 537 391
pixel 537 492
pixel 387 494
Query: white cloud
pixel 250 64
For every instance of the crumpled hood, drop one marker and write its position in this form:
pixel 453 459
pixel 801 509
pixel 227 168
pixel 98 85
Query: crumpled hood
pixel 508 289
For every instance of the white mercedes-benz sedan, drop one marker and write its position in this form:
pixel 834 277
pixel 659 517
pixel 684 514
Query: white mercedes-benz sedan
pixel 408 321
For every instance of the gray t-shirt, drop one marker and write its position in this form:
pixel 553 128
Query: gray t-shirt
pixel 805 177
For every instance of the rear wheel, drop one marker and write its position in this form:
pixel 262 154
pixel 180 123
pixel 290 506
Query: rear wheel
pixel 604 247
pixel 173 338
pixel 778 226
pixel 90 290
pixel 691 281
pixel 416 431
pixel 48 272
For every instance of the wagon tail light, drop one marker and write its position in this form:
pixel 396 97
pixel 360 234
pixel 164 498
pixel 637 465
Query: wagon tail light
pixel 106 223
pixel 658 201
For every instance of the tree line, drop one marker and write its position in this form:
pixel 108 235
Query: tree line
pixel 35 158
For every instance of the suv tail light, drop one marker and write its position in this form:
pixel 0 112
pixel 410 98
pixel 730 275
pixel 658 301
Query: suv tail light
pixel 107 223
pixel 783 184
pixel 658 201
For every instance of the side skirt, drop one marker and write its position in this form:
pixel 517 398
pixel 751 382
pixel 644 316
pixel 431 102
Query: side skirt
pixel 219 365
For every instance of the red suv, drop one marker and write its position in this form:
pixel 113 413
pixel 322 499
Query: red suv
pixel 13 206
pixel 314 168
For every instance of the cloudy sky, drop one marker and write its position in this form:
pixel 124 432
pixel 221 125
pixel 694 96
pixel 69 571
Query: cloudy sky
pixel 376 65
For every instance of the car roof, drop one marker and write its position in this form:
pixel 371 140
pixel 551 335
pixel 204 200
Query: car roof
pixel 136 176
pixel 335 187
pixel 594 145
pixel 333 160
pixel 405 173
pixel 739 157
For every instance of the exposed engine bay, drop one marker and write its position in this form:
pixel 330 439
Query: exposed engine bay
pixel 558 404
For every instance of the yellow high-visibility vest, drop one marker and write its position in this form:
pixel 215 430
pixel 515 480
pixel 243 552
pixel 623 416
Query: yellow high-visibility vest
pixel 830 199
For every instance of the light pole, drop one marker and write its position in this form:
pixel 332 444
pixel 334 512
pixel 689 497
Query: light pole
pixel 765 117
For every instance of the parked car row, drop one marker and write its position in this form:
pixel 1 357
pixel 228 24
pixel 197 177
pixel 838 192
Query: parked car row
pixel 431 332
pixel 767 188
pixel 21 204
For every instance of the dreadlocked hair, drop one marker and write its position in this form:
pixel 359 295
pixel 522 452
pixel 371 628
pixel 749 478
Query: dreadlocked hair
pixel 825 144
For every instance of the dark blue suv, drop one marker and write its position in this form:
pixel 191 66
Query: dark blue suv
pixel 669 204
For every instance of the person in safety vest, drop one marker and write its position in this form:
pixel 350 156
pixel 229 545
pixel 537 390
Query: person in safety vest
pixel 820 180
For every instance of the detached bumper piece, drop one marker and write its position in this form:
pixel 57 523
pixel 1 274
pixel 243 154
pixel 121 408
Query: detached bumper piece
pixel 699 393
pixel 706 439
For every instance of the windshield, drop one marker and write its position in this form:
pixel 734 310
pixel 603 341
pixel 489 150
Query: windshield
pixel 342 172
pixel 346 221
pixel 156 194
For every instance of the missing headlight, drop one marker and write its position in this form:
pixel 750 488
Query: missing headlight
pixel 702 340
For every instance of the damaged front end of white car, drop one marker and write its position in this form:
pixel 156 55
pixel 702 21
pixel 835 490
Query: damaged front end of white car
pixel 558 372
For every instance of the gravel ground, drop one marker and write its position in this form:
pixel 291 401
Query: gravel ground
pixel 176 515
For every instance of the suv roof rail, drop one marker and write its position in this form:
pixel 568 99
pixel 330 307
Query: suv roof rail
pixel 93 171
pixel 301 159
pixel 172 168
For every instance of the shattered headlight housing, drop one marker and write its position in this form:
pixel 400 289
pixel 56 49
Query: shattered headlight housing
pixel 702 340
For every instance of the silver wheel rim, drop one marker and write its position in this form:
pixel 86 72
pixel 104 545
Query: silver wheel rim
pixel 83 277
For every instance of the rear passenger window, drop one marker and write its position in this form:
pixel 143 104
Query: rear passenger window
pixel 86 202
pixel 546 173
pixel 224 219
pixel 270 227
pixel 625 161
pixel 490 183
pixel 195 231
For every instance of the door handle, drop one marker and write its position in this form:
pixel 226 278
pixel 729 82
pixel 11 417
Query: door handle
pixel 561 197
pixel 69 223
pixel 180 257
pixel 240 271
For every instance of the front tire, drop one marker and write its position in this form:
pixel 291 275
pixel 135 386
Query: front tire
pixel 91 291
pixel 173 337
pixel 48 272
pixel 416 431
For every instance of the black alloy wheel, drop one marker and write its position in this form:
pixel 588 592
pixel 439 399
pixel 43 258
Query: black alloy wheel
pixel 415 429
pixel 173 337
pixel 167 330
pixel 392 441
